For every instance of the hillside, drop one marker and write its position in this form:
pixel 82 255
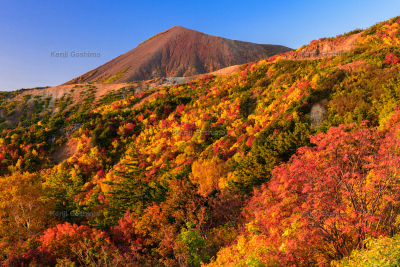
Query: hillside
pixel 178 52
pixel 19 106
pixel 286 161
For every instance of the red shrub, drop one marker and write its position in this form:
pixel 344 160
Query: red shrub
pixel 129 128
pixel 101 174
pixel 250 140
pixel 391 58
pixel 327 199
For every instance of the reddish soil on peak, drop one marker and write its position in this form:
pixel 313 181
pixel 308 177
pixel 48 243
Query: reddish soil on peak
pixel 178 52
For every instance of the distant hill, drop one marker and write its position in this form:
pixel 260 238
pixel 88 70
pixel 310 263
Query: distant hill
pixel 178 52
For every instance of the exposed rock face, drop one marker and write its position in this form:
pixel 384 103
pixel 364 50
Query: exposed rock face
pixel 318 112
pixel 325 48
pixel 178 52
pixel 173 80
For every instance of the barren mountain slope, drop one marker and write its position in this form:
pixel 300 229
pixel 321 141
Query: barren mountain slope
pixel 178 52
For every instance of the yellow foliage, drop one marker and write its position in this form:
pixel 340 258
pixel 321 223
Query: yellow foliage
pixel 157 149
pixel 190 151
pixel 180 159
pixel 24 210
pixel 81 145
pixel 115 143
pixel 207 174
pixel 109 178
pixel 223 182
pixel 181 145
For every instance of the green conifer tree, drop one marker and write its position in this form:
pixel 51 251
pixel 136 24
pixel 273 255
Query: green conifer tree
pixel 130 193
pixel 274 145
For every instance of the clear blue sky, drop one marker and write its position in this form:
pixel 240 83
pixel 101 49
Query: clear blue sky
pixel 30 30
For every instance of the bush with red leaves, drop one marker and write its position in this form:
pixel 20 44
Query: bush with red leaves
pixel 391 58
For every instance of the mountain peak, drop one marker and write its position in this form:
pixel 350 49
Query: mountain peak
pixel 178 27
pixel 178 52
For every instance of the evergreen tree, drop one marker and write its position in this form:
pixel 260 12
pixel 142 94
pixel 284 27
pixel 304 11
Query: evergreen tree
pixel 130 193
pixel 274 145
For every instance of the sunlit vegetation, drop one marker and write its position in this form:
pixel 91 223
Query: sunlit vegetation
pixel 221 171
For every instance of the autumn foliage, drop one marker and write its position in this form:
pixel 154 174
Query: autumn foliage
pixel 227 170
pixel 328 199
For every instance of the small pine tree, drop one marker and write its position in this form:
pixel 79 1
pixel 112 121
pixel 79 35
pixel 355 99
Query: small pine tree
pixel 130 193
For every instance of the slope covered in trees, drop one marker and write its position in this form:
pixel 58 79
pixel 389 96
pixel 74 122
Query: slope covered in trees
pixel 222 171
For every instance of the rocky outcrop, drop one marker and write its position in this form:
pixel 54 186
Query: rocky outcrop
pixel 318 112
pixel 325 48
